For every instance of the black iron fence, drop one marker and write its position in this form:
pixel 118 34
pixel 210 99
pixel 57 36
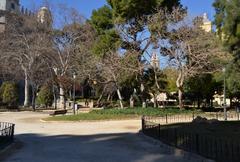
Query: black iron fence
pixel 209 146
pixel 186 118
pixel 6 133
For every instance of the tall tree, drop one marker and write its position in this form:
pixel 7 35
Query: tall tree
pixel 189 48
pixel 131 20
pixel 233 76
pixel 107 37
pixel 26 41
pixel 65 43
pixel 227 20
pixel 200 88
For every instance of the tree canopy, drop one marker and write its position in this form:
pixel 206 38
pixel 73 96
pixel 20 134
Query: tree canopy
pixel 227 21
pixel 124 10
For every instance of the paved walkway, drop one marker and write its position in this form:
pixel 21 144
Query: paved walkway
pixel 109 141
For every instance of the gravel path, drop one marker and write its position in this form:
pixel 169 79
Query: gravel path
pixel 108 141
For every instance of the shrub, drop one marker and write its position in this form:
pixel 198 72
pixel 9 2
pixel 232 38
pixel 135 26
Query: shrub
pixel 2 88
pixel 10 94
pixel 45 96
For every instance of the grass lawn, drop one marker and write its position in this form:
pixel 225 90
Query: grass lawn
pixel 116 114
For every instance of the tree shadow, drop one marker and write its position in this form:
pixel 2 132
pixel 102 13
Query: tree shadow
pixel 117 147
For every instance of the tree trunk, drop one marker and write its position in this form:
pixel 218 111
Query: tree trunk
pixel 179 84
pixel 198 103
pixel 180 98
pixel 120 98
pixel 26 89
pixel 62 98
pixel 142 96
pixel 131 102
pixel 154 101
pixel 33 100
pixel 54 98
pixel 109 97
pixel 101 96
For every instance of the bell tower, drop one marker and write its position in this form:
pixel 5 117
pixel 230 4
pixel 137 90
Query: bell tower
pixel 207 24
pixel 44 16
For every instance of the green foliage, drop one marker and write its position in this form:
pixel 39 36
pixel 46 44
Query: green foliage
pixel 124 10
pixel 45 96
pixel 151 81
pixel 107 38
pixel 115 114
pixel 233 80
pixel 227 20
pixel 106 42
pixel 201 88
pixel 2 88
pixel 10 94
pixel 102 19
pixel 171 76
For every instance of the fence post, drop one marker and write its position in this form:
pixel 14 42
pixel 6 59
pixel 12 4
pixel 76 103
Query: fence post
pixel 159 131
pixel 166 118
pixel 143 123
pixel 12 135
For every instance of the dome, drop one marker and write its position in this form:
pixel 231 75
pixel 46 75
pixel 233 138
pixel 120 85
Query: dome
pixel 44 8
pixel 44 16
pixel 205 18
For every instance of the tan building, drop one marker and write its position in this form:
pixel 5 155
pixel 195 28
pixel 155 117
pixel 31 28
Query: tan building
pixel 207 24
pixel 219 100
pixel 155 62
pixel 13 6
pixel 44 16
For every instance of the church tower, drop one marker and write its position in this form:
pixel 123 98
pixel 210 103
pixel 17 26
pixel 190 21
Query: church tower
pixel 44 16
pixel 155 62
pixel 7 6
pixel 207 24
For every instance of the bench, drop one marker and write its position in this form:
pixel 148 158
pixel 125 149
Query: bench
pixel 58 112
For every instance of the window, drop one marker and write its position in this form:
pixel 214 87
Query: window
pixel 12 6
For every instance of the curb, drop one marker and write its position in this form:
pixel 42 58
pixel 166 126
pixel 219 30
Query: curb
pixel 87 121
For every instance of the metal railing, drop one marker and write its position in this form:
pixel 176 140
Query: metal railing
pixel 6 133
pixel 217 148
pixel 187 118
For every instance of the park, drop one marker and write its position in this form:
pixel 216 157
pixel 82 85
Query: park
pixel 119 80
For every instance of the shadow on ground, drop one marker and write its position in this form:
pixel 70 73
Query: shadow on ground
pixel 119 147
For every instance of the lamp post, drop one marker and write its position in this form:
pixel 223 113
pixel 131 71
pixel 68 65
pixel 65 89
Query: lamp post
pixel 74 88
pixel 224 95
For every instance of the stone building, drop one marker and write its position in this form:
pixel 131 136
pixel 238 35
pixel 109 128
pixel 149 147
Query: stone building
pixel 44 16
pixel 13 6
pixel 7 6
pixel 155 62
pixel 207 24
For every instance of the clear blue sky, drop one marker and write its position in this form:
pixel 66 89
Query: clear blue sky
pixel 196 7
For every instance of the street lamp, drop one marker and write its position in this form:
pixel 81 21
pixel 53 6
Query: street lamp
pixel 224 95
pixel 74 88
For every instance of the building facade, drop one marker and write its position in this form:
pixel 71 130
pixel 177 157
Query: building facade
pixel 7 6
pixel 207 24
pixel 44 16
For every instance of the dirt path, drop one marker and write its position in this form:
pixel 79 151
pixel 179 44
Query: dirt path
pixel 109 141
